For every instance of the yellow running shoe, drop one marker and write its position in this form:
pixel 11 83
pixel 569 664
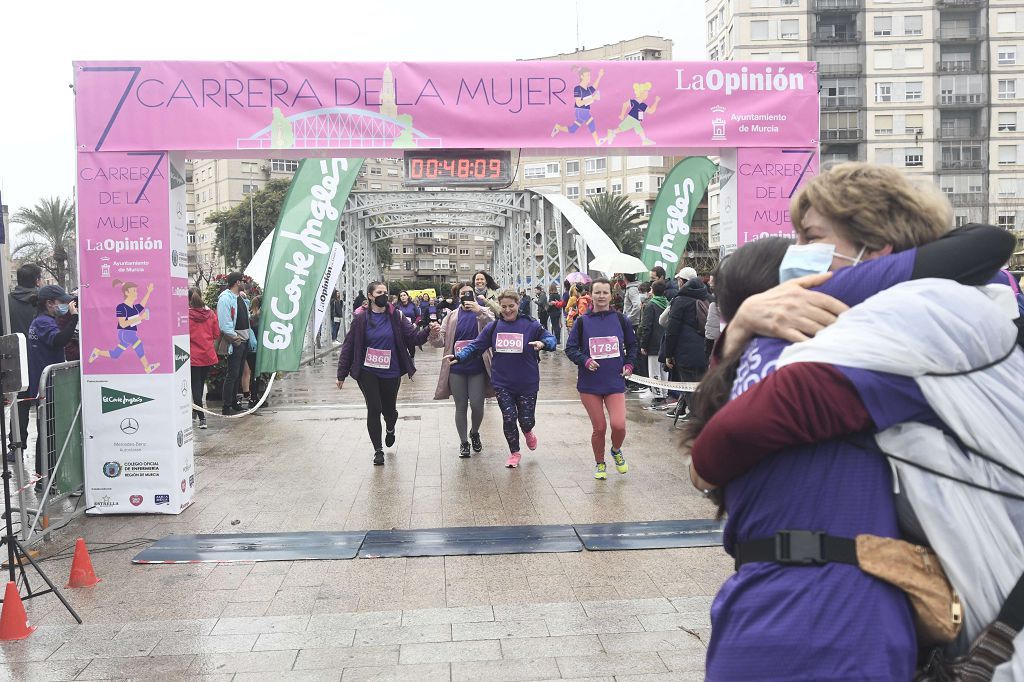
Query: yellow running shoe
pixel 620 461
pixel 601 471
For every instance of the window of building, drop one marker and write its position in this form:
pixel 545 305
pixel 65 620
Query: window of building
pixel 883 26
pixel 479 252
pixel 375 185
pixel 913 59
pixel 959 220
pixel 375 170
pixel 914 91
pixel 616 188
pixel 464 252
pixel 914 123
pixel 284 165
pixel 913 157
pixel 572 167
pixel 1006 188
pixel 883 59
pixel 572 191
pixel 1006 22
pixel 594 191
pixel 1007 55
pixel 789 29
pixel 883 125
pixel 883 92
pixel 392 172
pixel 249 189
pixel 913 25
pixel 1007 121
pixel 464 237
pixel 595 165
pixel 638 186
pixel 1007 88
pixel 1007 154
pixel 661 181
pixel 1006 220
pixel 759 30
pixel 534 170
pixel 248 167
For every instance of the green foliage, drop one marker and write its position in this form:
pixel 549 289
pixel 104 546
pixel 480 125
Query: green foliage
pixel 233 235
pixel 621 221
pixel 384 255
pixel 48 235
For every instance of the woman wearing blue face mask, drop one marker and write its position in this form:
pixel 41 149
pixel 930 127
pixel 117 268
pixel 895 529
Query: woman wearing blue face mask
pixel 831 486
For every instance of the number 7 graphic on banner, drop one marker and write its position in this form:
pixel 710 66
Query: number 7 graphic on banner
pixel 810 157
pixel 134 71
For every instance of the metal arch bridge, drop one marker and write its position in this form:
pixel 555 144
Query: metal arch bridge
pixel 340 128
pixel 534 243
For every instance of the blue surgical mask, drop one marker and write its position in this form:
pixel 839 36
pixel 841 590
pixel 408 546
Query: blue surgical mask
pixel 62 309
pixel 811 259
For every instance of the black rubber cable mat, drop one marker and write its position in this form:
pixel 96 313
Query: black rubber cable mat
pixel 195 549
pixel 651 534
pixel 469 540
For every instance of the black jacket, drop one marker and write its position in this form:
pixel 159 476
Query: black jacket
pixel 23 310
pixel 671 288
pixel 650 332
pixel 684 336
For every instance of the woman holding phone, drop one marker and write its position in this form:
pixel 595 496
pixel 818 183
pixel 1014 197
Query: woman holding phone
pixel 469 383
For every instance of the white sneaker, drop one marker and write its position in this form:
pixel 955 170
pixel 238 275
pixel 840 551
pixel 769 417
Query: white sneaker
pixel 646 394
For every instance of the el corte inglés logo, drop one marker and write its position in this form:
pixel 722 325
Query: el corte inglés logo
pixel 113 400
pixel 181 356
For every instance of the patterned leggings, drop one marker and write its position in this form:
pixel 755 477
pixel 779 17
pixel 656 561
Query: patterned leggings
pixel 515 406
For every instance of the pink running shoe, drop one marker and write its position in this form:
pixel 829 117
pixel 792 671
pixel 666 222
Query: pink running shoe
pixel 513 460
pixel 531 440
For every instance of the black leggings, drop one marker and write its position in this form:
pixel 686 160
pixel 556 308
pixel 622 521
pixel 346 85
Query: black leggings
pixel 199 375
pixel 380 395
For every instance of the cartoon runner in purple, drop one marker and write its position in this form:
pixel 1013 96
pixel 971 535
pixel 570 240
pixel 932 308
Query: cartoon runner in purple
pixel 129 315
pixel 636 108
pixel 583 95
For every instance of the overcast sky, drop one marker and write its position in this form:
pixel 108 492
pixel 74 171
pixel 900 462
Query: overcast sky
pixel 41 39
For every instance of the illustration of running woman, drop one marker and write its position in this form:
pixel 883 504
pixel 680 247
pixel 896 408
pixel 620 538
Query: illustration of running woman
pixel 637 108
pixel 583 95
pixel 129 315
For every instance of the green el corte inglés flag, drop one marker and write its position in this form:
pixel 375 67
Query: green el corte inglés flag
pixel 669 227
pixel 298 259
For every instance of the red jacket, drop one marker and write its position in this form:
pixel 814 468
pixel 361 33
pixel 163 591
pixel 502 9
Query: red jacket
pixel 203 331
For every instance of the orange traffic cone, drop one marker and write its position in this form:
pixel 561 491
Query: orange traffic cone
pixel 82 574
pixel 13 621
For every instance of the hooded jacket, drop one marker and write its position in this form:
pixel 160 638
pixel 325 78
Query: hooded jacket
pixel 23 310
pixel 671 288
pixel 684 336
pixel 203 332
pixel 446 340
pixel 350 360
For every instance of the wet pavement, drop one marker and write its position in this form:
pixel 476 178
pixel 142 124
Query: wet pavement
pixel 304 463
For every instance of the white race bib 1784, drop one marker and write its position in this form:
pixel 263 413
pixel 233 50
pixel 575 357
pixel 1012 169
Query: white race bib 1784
pixel 377 358
pixel 603 347
pixel 508 342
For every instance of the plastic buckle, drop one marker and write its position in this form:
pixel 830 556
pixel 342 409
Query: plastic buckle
pixel 800 547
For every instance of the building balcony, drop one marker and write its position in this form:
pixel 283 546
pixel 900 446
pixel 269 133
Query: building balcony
pixel 842 134
pixel 842 102
pixel 960 66
pixel 959 133
pixel 961 164
pixel 957 34
pixel 836 37
pixel 959 4
pixel 961 100
pixel 840 69
pixel 836 5
pixel 961 199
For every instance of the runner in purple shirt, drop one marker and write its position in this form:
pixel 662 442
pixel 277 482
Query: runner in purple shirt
pixel 603 345
pixel 515 371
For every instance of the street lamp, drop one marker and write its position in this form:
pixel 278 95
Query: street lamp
pixel 252 227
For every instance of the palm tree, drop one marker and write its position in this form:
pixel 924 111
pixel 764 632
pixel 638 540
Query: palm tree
pixel 620 220
pixel 48 235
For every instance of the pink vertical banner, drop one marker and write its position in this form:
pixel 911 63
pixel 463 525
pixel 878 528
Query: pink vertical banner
pixel 767 181
pixel 125 256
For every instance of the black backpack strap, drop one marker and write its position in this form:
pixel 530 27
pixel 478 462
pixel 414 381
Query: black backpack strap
pixel 1012 613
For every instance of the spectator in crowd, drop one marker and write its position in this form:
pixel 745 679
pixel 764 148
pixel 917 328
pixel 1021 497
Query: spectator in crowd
pixel 525 303
pixel 376 355
pixel 469 382
pixel 203 331
pixel 658 275
pixel 684 335
pixel 233 320
pixel 46 347
pixel 22 307
pixel 543 306
pixel 555 311
pixel 650 340
pixel 337 314
pixel 631 302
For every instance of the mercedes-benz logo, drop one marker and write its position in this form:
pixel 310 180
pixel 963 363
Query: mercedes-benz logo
pixel 129 426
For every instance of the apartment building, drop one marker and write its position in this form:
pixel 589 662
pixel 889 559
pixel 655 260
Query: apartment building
pixel 933 87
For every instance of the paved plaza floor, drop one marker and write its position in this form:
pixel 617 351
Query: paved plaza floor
pixel 304 463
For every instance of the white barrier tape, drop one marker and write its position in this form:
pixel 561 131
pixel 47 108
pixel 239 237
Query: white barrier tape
pixel 263 399
pixel 683 386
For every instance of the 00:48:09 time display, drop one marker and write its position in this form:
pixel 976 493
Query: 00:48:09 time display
pixel 455 168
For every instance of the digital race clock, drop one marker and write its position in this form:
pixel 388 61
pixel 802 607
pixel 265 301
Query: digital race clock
pixel 459 167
